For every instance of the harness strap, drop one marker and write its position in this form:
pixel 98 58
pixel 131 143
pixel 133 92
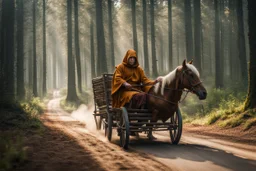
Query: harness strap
pixel 155 96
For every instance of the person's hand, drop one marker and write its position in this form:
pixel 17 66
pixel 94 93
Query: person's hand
pixel 159 79
pixel 127 86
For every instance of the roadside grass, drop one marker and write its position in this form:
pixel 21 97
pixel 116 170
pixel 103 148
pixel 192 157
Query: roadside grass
pixel 15 121
pixel 223 108
pixel 83 98
pixel 249 123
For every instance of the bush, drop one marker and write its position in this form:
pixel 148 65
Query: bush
pixel 249 123
pixel 224 106
pixel 12 152
pixel 14 120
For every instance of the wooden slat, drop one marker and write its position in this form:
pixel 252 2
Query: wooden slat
pixel 139 110
pixel 148 123
pixel 162 126
pixel 102 91
pixel 148 129
pixel 140 118
pixel 140 114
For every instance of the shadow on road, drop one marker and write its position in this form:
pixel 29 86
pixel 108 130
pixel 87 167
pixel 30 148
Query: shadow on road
pixel 195 153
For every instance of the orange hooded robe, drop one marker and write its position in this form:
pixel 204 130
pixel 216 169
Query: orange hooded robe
pixel 133 75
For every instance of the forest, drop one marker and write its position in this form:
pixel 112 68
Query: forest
pixel 48 45
pixel 61 45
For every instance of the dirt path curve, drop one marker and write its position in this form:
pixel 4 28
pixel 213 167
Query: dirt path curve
pixel 68 145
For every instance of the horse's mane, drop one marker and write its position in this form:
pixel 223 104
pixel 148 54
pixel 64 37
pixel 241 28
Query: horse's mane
pixel 167 79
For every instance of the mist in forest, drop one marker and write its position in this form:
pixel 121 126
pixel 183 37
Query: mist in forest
pixel 52 45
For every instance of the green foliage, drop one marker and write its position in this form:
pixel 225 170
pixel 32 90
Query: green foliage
pixel 249 123
pixel 33 107
pixel 232 122
pixel 12 152
pixel 68 106
pixel 83 98
pixel 222 106
pixel 22 115
pixel 213 117
pixel 15 119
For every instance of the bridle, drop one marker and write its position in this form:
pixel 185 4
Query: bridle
pixel 192 86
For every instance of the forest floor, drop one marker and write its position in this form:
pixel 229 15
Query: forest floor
pixel 68 143
pixel 236 134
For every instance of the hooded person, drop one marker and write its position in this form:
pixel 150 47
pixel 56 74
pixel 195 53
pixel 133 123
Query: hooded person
pixel 126 75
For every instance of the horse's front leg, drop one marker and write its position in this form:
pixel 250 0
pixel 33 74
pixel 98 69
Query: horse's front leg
pixel 154 119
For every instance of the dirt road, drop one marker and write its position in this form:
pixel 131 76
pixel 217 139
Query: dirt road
pixel 199 153
pixel 93 152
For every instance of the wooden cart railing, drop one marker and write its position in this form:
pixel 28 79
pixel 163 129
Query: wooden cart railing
pixel 102 97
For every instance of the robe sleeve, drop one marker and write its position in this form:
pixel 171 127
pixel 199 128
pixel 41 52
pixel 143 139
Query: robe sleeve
pixel 117 81
pixel 144 79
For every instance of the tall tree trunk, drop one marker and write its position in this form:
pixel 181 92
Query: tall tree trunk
pixel 222 36
pixel 77 47
pixel 1 48
pixel 178 47
pixel 10 50
pixel 30 66
pixel 241 41
pixel 3 62
pixel 218 69
pixel 188 30
pixel 153 46
pixel 20 50
pixel 170 34
pixel 111 36
pixel 134 31
pixel 35 93
pixel 161 53
pixel 71 94
pixel 102 60
pixel 44 49
pixel 145 37
pixel 86 71
pixel 231 39
pixel 93 71
pixel 54 62
pixel 7 50
pixel 197 33
pixel 250 102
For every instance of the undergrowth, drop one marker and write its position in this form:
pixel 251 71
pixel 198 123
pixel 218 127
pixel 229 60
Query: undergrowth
pixel 15 120
pixel 83 98
pixel 222 106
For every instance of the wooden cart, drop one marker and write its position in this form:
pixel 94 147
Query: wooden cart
pixel 125 120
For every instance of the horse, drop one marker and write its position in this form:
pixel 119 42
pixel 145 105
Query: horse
pixel 163 98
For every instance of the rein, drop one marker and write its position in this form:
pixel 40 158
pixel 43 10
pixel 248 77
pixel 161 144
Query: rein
pixel 142 85
pixel 155 96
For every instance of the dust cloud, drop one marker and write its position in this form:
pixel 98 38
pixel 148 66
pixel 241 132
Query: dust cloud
pixel 85 116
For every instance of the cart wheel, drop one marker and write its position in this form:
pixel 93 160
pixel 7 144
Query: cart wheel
pixel 176 130
pixel 124 129
pixel 108 128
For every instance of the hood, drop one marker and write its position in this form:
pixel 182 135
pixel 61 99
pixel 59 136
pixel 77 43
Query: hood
pixel 130 53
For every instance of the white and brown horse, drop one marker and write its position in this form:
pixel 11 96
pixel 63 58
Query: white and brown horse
pixel 163 98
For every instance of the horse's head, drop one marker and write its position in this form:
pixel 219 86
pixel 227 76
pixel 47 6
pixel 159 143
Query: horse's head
pixel 189 79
